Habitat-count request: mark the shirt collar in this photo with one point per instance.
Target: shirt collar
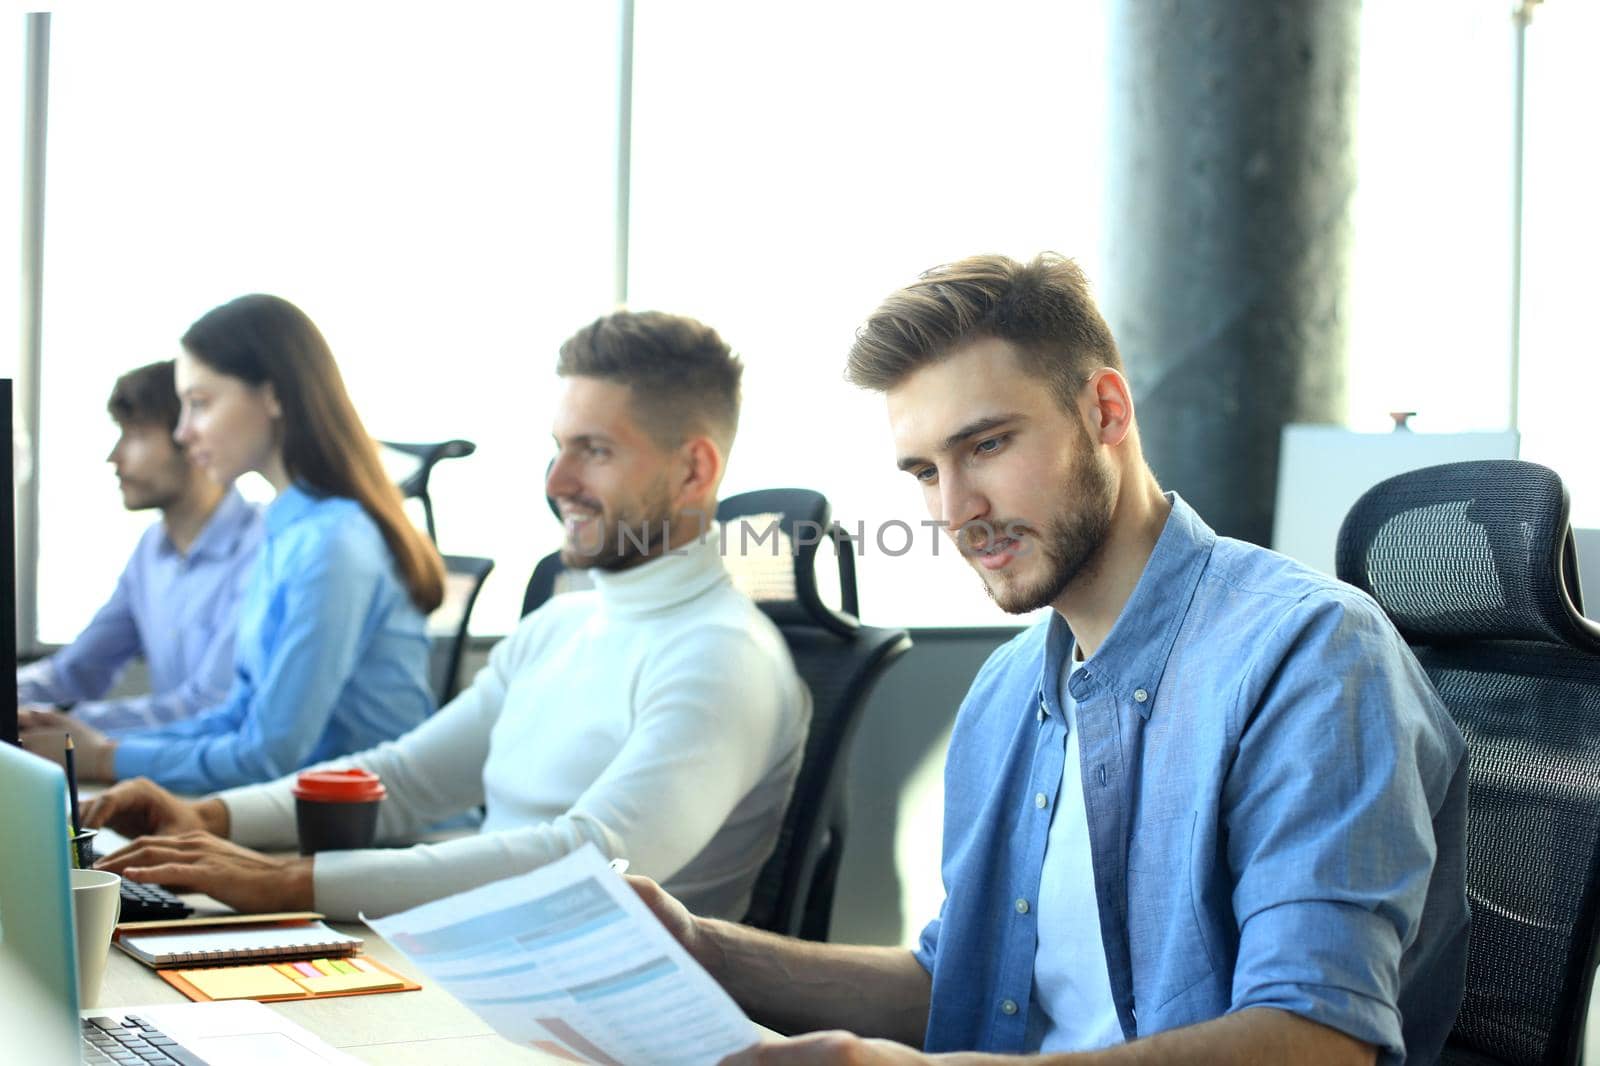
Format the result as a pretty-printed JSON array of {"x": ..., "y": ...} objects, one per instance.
[
  {"x": 290, "y": 506},
  {"x": 220, "y": 534},
  {"x": 675, "y": 577},
  {"x": 1132, "y": 659}
]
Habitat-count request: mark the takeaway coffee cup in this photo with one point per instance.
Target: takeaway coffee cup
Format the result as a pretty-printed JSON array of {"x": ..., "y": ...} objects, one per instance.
[
  {"x": 336, "y": 810},
  {"x": 96, "y": 904}
]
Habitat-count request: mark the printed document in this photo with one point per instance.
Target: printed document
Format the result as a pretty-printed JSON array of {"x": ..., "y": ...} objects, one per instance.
[{"x": 569, "y": 960}]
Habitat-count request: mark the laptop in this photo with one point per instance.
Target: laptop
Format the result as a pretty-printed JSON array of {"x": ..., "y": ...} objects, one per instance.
[{"x": 39, "y": 1017}]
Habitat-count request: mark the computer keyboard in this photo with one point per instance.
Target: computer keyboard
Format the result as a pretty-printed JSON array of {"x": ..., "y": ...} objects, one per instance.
[
  {"x": 131, "y": 1040},
  {"x": 150, "y": 903}
]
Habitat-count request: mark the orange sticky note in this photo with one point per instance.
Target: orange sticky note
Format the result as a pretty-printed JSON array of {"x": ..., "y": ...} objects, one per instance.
[{"x": 241, "y": 982}]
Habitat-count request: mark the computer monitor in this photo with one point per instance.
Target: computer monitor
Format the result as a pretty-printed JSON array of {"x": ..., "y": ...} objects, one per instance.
[{"x": 8, "y": 577}]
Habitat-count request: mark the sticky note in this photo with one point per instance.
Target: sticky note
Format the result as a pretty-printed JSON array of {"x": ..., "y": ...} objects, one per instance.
[
  {"x": 241, "y": 982},
  {"x": 285, "y": 969},
  {"x": 362, "y": 964},
  {"x": 343, "y": 967},
  {"x": 307, "y": 969},
  {"x": 350, "y": 982},
  {"x": 324, "y": 966}
]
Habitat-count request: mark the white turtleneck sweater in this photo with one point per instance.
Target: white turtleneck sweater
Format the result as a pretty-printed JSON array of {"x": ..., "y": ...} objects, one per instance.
[{"x": 657, "y": 715}]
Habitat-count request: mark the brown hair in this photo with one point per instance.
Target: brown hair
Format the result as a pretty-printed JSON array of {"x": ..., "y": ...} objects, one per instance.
[
  {"x": 146, "y": 396},
  {"x": 268, "y": 340},
  {"x": 1042, "y": 307},
  {"x": 683, "y": 377}
]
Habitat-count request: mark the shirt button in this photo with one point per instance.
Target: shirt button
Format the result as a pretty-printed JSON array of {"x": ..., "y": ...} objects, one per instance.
[
  {"x": 1022, "y": 906},
  {"x": 1008, "y": 1006},
  {"x": 1140, "y": 695},
  {"x": 1042, "y": 711},
  {"x": 1040, "y": 800}
]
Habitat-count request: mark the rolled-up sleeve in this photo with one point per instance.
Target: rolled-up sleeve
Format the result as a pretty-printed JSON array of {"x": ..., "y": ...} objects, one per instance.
[{"x": 1329, "y": 813}]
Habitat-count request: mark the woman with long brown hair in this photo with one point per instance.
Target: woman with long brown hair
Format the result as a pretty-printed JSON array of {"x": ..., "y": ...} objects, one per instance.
[{"x": 331, "y": 655}]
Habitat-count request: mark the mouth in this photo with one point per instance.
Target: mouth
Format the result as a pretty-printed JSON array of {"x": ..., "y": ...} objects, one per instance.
[
  {"x": 997, "y": 554},
  {"x": 576, "y": 518}
]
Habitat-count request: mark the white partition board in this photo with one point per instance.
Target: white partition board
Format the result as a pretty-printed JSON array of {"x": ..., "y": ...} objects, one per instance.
[{"x": 1323, "y": 470}]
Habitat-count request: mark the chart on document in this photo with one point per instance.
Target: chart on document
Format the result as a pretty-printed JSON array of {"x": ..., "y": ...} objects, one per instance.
[{"x": 568, "y": 960}]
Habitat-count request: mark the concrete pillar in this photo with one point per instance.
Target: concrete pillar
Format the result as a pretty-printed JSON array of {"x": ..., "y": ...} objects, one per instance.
[{"x": 1231, "y": 141}]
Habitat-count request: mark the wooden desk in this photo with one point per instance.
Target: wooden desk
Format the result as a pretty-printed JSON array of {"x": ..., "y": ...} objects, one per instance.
[{"x": 398, "y": 1028}]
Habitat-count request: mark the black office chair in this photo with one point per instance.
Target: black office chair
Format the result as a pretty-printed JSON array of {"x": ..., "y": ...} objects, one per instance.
[
  {"x": 1474, "y": 563},
  {"x": 464, "y": 575},
  {"x": 427, "y": 456},
  {"x": 771, "y": 538}
]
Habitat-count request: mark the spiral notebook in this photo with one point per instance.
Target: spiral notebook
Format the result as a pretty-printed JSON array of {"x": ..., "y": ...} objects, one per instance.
[
  {"x": 262, "y": 956},
  {"x": 234, "y": 938}
]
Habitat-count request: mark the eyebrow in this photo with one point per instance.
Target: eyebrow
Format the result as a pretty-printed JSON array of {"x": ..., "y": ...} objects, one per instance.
[
  {"x": 582, "y": 440},
  {"x": 965, "y": 433}
]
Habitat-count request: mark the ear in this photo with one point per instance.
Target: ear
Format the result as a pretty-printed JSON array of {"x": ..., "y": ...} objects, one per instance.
[
  {"x": 269, "y": 396},
  {"x": 1108, "y": 407},
  {"x": 701, "y": 472}
]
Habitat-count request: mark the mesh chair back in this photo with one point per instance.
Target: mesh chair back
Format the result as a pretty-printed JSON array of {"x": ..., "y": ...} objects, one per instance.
[
  {"x": 770, "y": 544},
  {"x": 1474, "y": 564}
]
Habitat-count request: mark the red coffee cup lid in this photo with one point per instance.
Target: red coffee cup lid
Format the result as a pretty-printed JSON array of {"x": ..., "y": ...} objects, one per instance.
[{"x": 339, "y": 786}]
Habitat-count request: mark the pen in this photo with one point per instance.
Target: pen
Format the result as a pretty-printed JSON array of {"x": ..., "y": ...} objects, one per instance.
[{"x": 72, "y": 792}]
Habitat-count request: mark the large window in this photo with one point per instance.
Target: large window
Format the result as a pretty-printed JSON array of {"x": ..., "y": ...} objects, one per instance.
[
  {"x": 13, "y": 46},
  {"x": 792, "y": 166},
  {"x": 1434, "y": 223},
  {"x": 436, "y": 187},
  {"x": 1560, "y": 393},
  {"x": 433, "y": 185}
]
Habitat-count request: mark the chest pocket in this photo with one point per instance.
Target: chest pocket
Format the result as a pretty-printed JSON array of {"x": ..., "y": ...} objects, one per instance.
[{"x": 1171, "y": 945}]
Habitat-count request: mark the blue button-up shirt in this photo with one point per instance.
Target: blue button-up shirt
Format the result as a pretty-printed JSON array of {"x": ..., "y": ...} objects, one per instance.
[
  {"x": 1276, "y": 802},
  {"x": 331, "y": 658},
  {"x": 175, "y": 610}
]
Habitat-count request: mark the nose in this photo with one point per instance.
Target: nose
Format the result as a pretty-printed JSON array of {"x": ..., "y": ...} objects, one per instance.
[
  {"x": 961, "y": 503},
  {"x": 559, "y": 479},
  {"x": 183, "y": 432}
]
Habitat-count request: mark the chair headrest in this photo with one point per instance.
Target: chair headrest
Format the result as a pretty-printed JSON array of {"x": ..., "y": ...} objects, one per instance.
[
  {"x": 1469, "y": 551},
  {"x": 770, "y": 539}
]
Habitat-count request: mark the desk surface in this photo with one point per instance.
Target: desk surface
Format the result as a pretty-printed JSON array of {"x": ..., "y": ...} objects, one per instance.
[{"x": 405, "y": 1028}]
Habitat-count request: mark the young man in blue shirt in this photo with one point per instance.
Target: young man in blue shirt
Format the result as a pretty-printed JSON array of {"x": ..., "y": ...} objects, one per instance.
[
  {"x": 176, "y": 604},
  {"x": 1209, "y": 811}
]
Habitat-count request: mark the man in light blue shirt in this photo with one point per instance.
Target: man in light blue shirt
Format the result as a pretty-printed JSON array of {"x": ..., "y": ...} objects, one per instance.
[
  {"x": 177, "y": 601},
  {"x": 1209, "y": 812}
]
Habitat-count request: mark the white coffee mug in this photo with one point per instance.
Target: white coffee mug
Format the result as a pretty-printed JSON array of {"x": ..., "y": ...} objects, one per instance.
[{"x": 96, "y": 904}]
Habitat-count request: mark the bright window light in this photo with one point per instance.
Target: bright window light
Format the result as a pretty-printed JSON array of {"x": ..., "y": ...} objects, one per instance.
[
  {"x": 435, "y": 187},
  {"x": 1561, "y": 230},
  {"x": 793, "y": 166}
]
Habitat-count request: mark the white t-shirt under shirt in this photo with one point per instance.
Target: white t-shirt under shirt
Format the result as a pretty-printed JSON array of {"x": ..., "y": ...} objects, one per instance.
[
  {"x": 1072, "y": 1008},
  {"x": 657, "y": 715}
]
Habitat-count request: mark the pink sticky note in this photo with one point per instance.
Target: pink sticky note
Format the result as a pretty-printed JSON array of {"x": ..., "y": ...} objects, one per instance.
[{"x": 307, "y": 969}]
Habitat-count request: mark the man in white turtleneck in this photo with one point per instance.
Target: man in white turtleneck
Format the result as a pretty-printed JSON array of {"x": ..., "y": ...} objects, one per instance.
[{"x": 657, "y": 715}]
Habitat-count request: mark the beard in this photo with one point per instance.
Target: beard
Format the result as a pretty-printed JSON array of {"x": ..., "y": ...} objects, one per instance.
[
  {"x": 1069, "y": 543},
  {"x": 624, "y": 540}
]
